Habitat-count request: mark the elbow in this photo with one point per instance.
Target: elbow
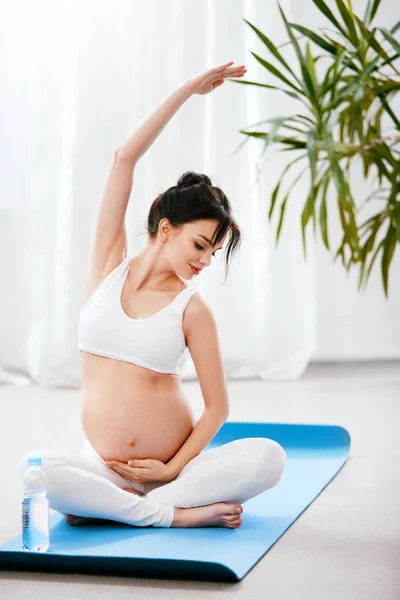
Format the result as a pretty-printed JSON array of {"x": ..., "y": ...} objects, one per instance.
[
  {"x": 221, "y": 413},
  {"x": 121, "y": 156}
]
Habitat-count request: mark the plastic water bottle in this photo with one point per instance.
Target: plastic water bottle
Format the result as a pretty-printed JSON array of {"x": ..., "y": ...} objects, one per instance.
[{"x": 35, "y": 508}]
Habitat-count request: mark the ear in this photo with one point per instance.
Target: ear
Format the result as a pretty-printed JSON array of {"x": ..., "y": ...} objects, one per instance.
[{"x": 164, "y": 227}]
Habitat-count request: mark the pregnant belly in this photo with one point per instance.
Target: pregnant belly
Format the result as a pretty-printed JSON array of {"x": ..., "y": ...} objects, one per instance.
[{"x": 150, "y": 425}]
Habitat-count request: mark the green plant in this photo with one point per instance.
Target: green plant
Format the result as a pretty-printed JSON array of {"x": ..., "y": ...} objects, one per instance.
[{"x": 340, "y": 122}]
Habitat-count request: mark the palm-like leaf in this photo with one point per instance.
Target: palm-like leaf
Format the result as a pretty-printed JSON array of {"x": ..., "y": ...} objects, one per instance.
[{"x": 340, "y": 123}]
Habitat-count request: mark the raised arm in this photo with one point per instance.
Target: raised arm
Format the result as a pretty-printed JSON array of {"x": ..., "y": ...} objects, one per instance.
[
  {"x": 110, "y": 240},
  {"x": 149, "y": 128}
]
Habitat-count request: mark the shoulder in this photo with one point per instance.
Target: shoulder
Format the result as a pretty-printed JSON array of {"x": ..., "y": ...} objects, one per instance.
[{"x": 197, "y": 315}]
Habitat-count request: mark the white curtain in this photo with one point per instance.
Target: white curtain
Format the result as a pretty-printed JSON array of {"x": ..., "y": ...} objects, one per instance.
[{"x": 76, "y": 77}]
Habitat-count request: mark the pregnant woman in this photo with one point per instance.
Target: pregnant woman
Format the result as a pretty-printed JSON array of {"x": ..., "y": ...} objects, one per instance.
[{"x": 143, "y": 462}]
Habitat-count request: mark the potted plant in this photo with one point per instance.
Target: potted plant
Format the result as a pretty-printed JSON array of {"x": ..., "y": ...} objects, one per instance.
[{"x": 343, "y": 103}]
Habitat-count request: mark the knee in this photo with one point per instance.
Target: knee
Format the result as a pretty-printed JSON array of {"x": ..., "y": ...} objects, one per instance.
[
  {"x": 271, "y": 462},
  {"x": 48, "y": 457}
]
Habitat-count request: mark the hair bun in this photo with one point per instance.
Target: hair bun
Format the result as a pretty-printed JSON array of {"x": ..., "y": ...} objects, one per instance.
[{"x": 190, "y": 178}]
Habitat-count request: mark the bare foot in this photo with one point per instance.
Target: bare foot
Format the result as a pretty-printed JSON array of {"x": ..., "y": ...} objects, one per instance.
[{"x": 220, "y": 514}]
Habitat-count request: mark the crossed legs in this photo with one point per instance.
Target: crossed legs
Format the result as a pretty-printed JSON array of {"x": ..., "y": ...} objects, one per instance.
[{"x": 82, "y": 484}]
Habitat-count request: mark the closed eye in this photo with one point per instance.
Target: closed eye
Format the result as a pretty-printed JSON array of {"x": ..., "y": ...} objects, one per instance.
[{"x": 201, "y": 247}]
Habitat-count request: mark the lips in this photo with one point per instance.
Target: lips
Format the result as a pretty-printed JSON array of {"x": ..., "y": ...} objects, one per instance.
[{"x": 194, "y": 269}]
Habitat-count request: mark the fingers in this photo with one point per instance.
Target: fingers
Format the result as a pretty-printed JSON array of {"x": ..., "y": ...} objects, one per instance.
[
  {"x": 226, "y": 65},
  {"x": 240, "y": 73},
  {"x": 121, "y": 467},
  {"x": 223, "y": 66},
  {"x": 127, "y": 473},
  {"x": 118, "y": 463},
  {"x": 233, "y": 72}
]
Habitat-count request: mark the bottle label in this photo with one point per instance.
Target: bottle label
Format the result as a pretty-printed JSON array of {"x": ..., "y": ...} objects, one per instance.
[{"x": 35, "y": 522}]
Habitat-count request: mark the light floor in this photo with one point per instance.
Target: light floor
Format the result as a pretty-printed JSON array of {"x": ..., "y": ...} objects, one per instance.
[{"x": 345, "y": 546}]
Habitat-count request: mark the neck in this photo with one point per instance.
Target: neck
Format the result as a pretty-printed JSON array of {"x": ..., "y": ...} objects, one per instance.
[{"x": 149, "y": 270}]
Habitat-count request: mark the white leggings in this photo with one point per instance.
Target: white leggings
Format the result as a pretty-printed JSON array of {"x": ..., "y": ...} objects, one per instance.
[{"x": 82, "y": 484}]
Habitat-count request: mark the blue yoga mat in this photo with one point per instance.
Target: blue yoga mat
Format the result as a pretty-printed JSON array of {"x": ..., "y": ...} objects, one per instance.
[{"x": 315, "y": 454}]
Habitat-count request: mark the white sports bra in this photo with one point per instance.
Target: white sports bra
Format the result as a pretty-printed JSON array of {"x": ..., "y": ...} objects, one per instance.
[{"x": 156, "y": 342}]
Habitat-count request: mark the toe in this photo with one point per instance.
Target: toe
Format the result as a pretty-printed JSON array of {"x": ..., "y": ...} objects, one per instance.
[{"x": 234, "y": 517}]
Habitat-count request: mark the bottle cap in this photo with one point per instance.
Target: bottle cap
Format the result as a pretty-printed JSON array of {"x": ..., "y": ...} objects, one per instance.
[{"x": 34, "y": 460}]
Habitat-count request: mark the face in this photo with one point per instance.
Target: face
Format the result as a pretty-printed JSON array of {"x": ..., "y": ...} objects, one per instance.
[{"x": 188, "y": 246}]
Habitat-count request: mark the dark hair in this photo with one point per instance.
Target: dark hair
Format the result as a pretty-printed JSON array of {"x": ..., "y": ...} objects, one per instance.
[{"x": 194, "y": 197}]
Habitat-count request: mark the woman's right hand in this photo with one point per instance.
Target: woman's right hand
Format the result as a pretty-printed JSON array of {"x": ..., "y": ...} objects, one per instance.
[
  {"x": 206, "y": 82},
  {"x": 143, "y": 470}
]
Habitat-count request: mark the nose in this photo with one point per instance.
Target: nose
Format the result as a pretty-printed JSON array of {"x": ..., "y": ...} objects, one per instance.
[{"x": 205, "y": 260}]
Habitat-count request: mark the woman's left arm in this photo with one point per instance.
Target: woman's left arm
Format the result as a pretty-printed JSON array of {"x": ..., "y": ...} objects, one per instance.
[
  {"x": 200, "y": 330},
  {"x": 208, "y": 425},
  {"x": 149, "y": 470}
]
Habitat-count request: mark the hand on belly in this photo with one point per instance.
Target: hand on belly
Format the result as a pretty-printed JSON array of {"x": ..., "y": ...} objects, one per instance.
[{"x": 143, "y": 471}]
